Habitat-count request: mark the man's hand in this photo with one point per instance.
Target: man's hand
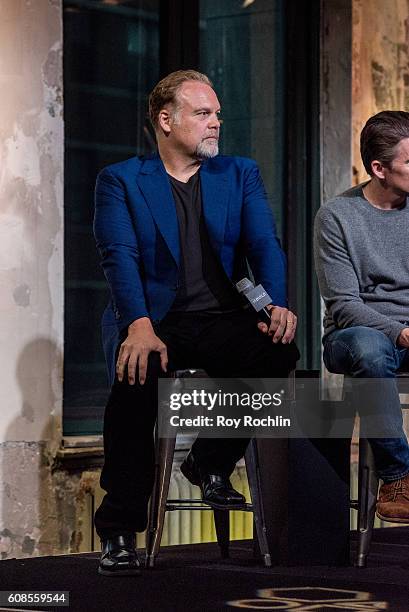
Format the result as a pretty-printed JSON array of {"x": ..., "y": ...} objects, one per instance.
[
  {"x": 135, "y": 349},
  {"x": 403, "y": 338},
  {"x": 283, "y": 325}
]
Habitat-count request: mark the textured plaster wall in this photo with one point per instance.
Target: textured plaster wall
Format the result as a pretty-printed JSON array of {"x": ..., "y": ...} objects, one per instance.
[
  {"x": 43, "y": 510},
  {"x": 335, "y": 97},
  {"x": 35, "y": 502},
  {"x": 31, "y": 219},
  {"x": 380, "y": 51}
]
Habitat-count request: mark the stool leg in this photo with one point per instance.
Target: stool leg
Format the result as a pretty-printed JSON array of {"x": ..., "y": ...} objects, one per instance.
[
  {"x": 367, "y": 494},
  {"x": 165, "y": 448},
  {"x": 254, "y": 480},
  {"x": 222, "y": 524}
]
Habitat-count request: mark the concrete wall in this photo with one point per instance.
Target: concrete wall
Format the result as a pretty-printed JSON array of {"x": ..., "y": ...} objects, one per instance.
[
  {"x": 380, "y": 81},
  {"x": 31, "y": 271},
  {"x": 335, "y": 97},
  {"x": 31, "y": 219}
]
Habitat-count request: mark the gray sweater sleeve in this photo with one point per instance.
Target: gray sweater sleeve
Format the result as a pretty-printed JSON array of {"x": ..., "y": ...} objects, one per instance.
[{"x": 338, "y": 280}]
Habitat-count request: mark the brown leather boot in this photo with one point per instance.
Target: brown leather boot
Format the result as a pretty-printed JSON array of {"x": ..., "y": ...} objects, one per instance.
[{"x": 393, "y": 501}]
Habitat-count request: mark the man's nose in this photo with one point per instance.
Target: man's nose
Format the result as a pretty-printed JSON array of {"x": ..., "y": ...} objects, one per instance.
[{"x": 214, "y": 121}]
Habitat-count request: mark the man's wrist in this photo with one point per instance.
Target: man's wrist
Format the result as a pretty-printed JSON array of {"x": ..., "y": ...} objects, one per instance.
[{"x": 141, "y": 323}]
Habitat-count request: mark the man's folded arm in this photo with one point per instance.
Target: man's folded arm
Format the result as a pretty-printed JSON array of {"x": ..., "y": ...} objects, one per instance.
[
  {"x": 262, "y": 248},
  {"x": 117, "y": 244},
  {"x": 338, "y": 281}
]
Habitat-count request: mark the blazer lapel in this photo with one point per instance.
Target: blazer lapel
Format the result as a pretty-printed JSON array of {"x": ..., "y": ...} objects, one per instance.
[
  {"x": 215, "y": 200},
  {"x": 154, "y": 184}
]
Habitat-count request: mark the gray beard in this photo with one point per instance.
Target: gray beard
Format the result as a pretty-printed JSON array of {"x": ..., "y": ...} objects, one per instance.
[{"x": 205, "y": 150}]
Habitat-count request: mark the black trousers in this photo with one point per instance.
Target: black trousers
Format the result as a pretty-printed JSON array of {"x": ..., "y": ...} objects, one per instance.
[{"x": 225, "y": 345}]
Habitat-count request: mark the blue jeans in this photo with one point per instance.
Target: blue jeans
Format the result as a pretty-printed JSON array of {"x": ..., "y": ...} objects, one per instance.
[{"x": 364, "y": 352}]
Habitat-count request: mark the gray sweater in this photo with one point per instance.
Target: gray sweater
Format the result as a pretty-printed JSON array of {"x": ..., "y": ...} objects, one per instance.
[{"x": 362, "y": 263}]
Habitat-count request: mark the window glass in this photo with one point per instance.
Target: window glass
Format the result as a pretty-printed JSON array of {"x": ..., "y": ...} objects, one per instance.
[
  {"x": 111, "y": 62},
  {"x": 241, "y": 50}
]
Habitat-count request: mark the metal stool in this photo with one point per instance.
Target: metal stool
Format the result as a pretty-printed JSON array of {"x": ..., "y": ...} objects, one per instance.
[
  {"x": 368, "y": 484},
  {"x": 164, "y": 450}
]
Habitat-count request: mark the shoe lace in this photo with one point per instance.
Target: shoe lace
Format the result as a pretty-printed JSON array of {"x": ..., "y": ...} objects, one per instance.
[{"x": 400, "y": 488}]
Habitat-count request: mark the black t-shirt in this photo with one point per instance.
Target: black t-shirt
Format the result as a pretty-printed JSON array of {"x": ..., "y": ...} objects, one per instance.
[{"x": 203, "y": 283}]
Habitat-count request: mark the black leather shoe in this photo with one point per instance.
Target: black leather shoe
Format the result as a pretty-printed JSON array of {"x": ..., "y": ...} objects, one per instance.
[
  {"x": 190, "y": 471},
  {"x": 119, "y": 557},
  {"x": 217, "y": 490}
]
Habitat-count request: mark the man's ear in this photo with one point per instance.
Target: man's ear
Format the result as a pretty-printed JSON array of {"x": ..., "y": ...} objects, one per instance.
[
  {"x": 164, "y": 120},
  {"x": 378, "y": 169}
]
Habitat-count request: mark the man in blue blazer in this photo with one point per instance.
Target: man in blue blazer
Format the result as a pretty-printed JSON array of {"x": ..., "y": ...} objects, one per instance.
[{"x": 174, "y": 230}]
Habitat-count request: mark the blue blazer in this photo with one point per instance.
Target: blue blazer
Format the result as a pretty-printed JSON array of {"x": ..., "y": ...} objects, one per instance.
[{"x": 137, "y": 234}]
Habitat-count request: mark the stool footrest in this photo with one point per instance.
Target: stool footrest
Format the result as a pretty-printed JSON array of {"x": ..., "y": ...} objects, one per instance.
[
  {"x": 198, "y": 504},
  {"x": 171, "y": 507},
  {"x": 185, "y": 501}
]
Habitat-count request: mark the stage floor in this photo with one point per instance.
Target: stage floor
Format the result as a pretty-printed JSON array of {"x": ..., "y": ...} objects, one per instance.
[{"x": 194, "y": 578}]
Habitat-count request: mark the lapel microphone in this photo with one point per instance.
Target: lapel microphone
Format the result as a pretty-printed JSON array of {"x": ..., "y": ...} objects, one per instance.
[{"x": 256, "y": 296}]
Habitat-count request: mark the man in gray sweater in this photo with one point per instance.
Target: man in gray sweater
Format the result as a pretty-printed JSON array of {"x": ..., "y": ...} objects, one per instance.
[{"x": 362, "y": 262}]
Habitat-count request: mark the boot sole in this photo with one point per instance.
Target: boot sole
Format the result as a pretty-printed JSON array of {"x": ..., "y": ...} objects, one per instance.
[{"x": 388, "y": 519}]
